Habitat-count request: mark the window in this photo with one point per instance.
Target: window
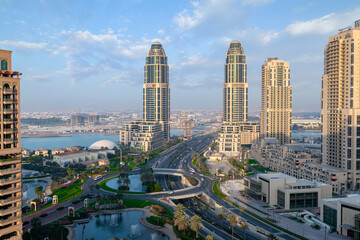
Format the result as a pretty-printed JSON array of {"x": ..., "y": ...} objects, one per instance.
[
  {"x": 358, "y": 131},
  {"x": 352, "y": 59},
  {"x": 349, "y": 131},
  {"x": 349, "y": 164},
  {"x": 349, "y": 153},
  {"x": 357, "y": 165},
  {"x": 349, "y": 119},
  {"x": 351, "y": 92},
  {"x": 352, "y": 47},
  {"x": 358, "y": 154},
  {"x": 349, "y": 142},
  {"x": 352, "y": 70},
  {"x": 358, "y": 142},
  {"x": 351, "y": 81},
  {"x": 4, "y": 65}
]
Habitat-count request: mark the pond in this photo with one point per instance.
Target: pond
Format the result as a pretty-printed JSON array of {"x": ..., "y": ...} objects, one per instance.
[
  {"x": 135, "y": 183},
  {"x": 119, "y": 225},
  {"x": 29, "y": 193}
]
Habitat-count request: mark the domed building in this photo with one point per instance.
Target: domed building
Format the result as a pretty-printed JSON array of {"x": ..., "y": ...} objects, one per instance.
[{"x": 103, "y": 144}]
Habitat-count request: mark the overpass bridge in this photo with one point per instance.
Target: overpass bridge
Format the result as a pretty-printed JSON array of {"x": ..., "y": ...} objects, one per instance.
[{"x": 169, "y": 171}]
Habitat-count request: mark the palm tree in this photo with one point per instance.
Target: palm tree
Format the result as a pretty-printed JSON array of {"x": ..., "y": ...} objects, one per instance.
[
  {"x": 178, "y": 214},
  {"x": 221, "y": 217},
  {"x": 244, "y": 226},
  {"x": 179, "y": 208},
  {"x": 232, "y": 219},
  {"x": 127, "y": 181},
  {"x": 209, "y": 237},
  {"x": 172, "y": 184},
  {"x": 196, "y": 224},
  {"x": 120, "y": 182},
  {"x": 181, "y": 224},
  {"x": 271, "y": 237},
  {"x": 39, "y": 191}
]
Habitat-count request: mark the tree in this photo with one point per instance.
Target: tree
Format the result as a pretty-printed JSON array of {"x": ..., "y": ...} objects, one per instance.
[
  {"x": 221, "y": 217},
  {"x": 127, "y": 181},
  {"x": 195, "y": 156},
  {"x": 180, "y": 208},
  {"x": 181, "y": 224},
  {"x": 244, "y": 226},
  {"x": 232, "y": 220},
  {"x": 120, "y": 182},
  {"x": 172, "y": 184},
  {"x": 219, "y": 171},
  {"x": 157, "y": 187},
  {"x": 39, "y": 191},
  {"x": 209, "y": 237},
  {"x": 196, "y": 224},
  {"x": 35, "y": 228},
  {"x": 271, "y": 237}
]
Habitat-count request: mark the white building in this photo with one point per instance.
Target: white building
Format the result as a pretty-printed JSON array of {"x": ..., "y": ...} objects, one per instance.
[
  {"x": 286, "y": 191},
  {"x": 82, "y": 156},
  {"x": 342, "y": 214}
]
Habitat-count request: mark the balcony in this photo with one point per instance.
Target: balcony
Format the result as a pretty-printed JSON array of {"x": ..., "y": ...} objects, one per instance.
[
  {"x": 9, "y": 210},
  {"x": 8, "y": 91},
  {"x": 9, "y": 101},
  {"x": 10, "y": 180},
  {"x": 10, "y": 200},
  {"x": 6, "y": 110},
  {"x": 10, "y": 170},
  {"x": 10, "y": 190},
  {"x": 8, "y": 140},
  {"x": 9, "y": 220},
  {"x": 10, "y": 160}
]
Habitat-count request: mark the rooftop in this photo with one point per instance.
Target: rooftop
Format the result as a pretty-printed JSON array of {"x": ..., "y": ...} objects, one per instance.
[
  {"x": 297, "y": 148},
  {"x": 275, "y": 176},
  {"x": 271, "y": 140},
  {"x": 235, "y": 48},
  {"x": 325, "y": 167}
]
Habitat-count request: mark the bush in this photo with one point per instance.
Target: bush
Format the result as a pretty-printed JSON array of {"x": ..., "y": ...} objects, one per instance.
[
  {"x": 60, "y": 208},
  {"x": 158, "y": 221},
  {"x": 43, "y": 215},
  {"x": 26, "y": 223}
]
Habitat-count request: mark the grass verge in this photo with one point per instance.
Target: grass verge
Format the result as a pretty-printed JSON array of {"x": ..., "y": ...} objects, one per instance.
[{"x": 217, "y": 190}]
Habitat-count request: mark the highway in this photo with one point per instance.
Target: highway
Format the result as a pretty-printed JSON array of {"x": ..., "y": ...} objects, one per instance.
[{"x": 184, "y": 162}]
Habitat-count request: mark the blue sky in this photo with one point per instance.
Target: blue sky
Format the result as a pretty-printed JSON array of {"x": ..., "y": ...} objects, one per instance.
[{"x": 90, "y": 54}]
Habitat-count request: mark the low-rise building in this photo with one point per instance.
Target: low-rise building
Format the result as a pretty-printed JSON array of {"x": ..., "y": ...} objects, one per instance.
[
  {"x": 286, "y": 191},
  {"x": 298, "y": 162},
  {"x": 143, "y": 135},
  {"x": 57, "y": 151},
  {"x": 25, "y": 152},
  {"x": 72, "y": 149},
  {"x": 82, "y": 156},
  {"x": 41, "y": 152},
  {"x": 236, "y": 135},
  {"x": 104, "y": 162},
  {"x": 343, "y": 214}
]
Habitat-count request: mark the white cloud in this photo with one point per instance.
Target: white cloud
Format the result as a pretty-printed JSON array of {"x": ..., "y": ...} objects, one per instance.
[
  {"x": 91, "y": 54},
  {"x": 258, "y": 35},
  {"x": 256, "y": 2},
  {"x": 324, "y": 25},
  {"x": 201, "y": 11},
  {"x": 22, "y": 45},
  {"x": 305, "y": 58}
]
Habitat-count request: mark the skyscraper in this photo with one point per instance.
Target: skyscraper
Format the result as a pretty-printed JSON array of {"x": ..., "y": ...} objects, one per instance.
[
  {"x": 276, "y": 95},
  {"x": 340, "y": 104},
  {"x": 10, "y": 151},
  {"x": 235, "y": 86},
  {"x": 236, "y": 132},
  {"x": 156, "y": 89}
]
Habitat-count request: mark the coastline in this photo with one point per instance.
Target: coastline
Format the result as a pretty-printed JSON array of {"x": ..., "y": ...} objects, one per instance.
[{"x": 167, "y": 229}]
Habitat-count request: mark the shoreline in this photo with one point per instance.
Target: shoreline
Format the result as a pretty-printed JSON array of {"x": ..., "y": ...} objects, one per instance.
[{"x": 142, "y": 220}]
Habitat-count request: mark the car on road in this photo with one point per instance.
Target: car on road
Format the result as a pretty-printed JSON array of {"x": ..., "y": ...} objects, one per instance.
[{"x": 202, "y": 179}]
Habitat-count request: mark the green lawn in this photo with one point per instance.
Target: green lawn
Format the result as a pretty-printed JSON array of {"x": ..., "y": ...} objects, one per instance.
[
  {"x": 217, "y": 190},
  {"x": 194, "y": 162},
  {"x": 65, "y": 194},
  {"x": 262, "y": 169},
  {"x": 251, "y": 161}
]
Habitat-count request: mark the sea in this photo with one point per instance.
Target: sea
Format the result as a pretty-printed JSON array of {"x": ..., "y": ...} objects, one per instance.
[{"x": 85, "y": 140}]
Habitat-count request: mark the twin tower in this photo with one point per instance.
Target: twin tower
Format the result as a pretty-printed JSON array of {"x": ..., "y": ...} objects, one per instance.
[{"x": 236, "y": 132}]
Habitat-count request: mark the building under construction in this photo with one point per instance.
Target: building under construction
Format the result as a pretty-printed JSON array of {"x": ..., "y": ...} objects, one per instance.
[{"x": 185, "y": 126}]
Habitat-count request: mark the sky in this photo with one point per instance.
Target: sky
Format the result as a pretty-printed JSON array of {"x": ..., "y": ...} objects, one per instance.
[{"x": 90, "y": 54}]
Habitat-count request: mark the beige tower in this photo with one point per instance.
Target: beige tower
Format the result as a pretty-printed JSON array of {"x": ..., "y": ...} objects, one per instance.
[
  {"x": 236, "y": 132},
  {"x": 340, "y": 104},
  {"x": 156, "y": 102},
  {"x": 275, "y": 115},
  {"x": 10, "y": 151}
]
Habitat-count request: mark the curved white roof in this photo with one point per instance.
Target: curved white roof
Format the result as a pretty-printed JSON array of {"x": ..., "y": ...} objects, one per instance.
[{"x": 103, "y": 144}]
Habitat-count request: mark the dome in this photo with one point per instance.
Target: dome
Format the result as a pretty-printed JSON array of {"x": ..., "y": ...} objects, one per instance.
[
  {"x": 235, "y": 48},
  {"x": 103, "y": 144}
]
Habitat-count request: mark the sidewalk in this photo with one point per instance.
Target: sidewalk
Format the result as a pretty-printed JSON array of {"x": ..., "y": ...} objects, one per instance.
[{"x": 284, "y": 222}]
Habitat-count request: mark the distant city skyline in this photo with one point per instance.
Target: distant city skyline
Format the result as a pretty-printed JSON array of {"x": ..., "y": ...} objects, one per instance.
[{"x": 83, "y": 58}]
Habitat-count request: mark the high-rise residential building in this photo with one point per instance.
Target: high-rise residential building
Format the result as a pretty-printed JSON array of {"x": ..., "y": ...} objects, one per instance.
[
  {"x": 151, "y": 133},
  {"x": 156, "y": 88},
  {"x": 236, "y": 131},
  {"x": 276, "y": 95},
  {"x": 340, "y": 104},
  {"x": 10, "y": 151}
]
